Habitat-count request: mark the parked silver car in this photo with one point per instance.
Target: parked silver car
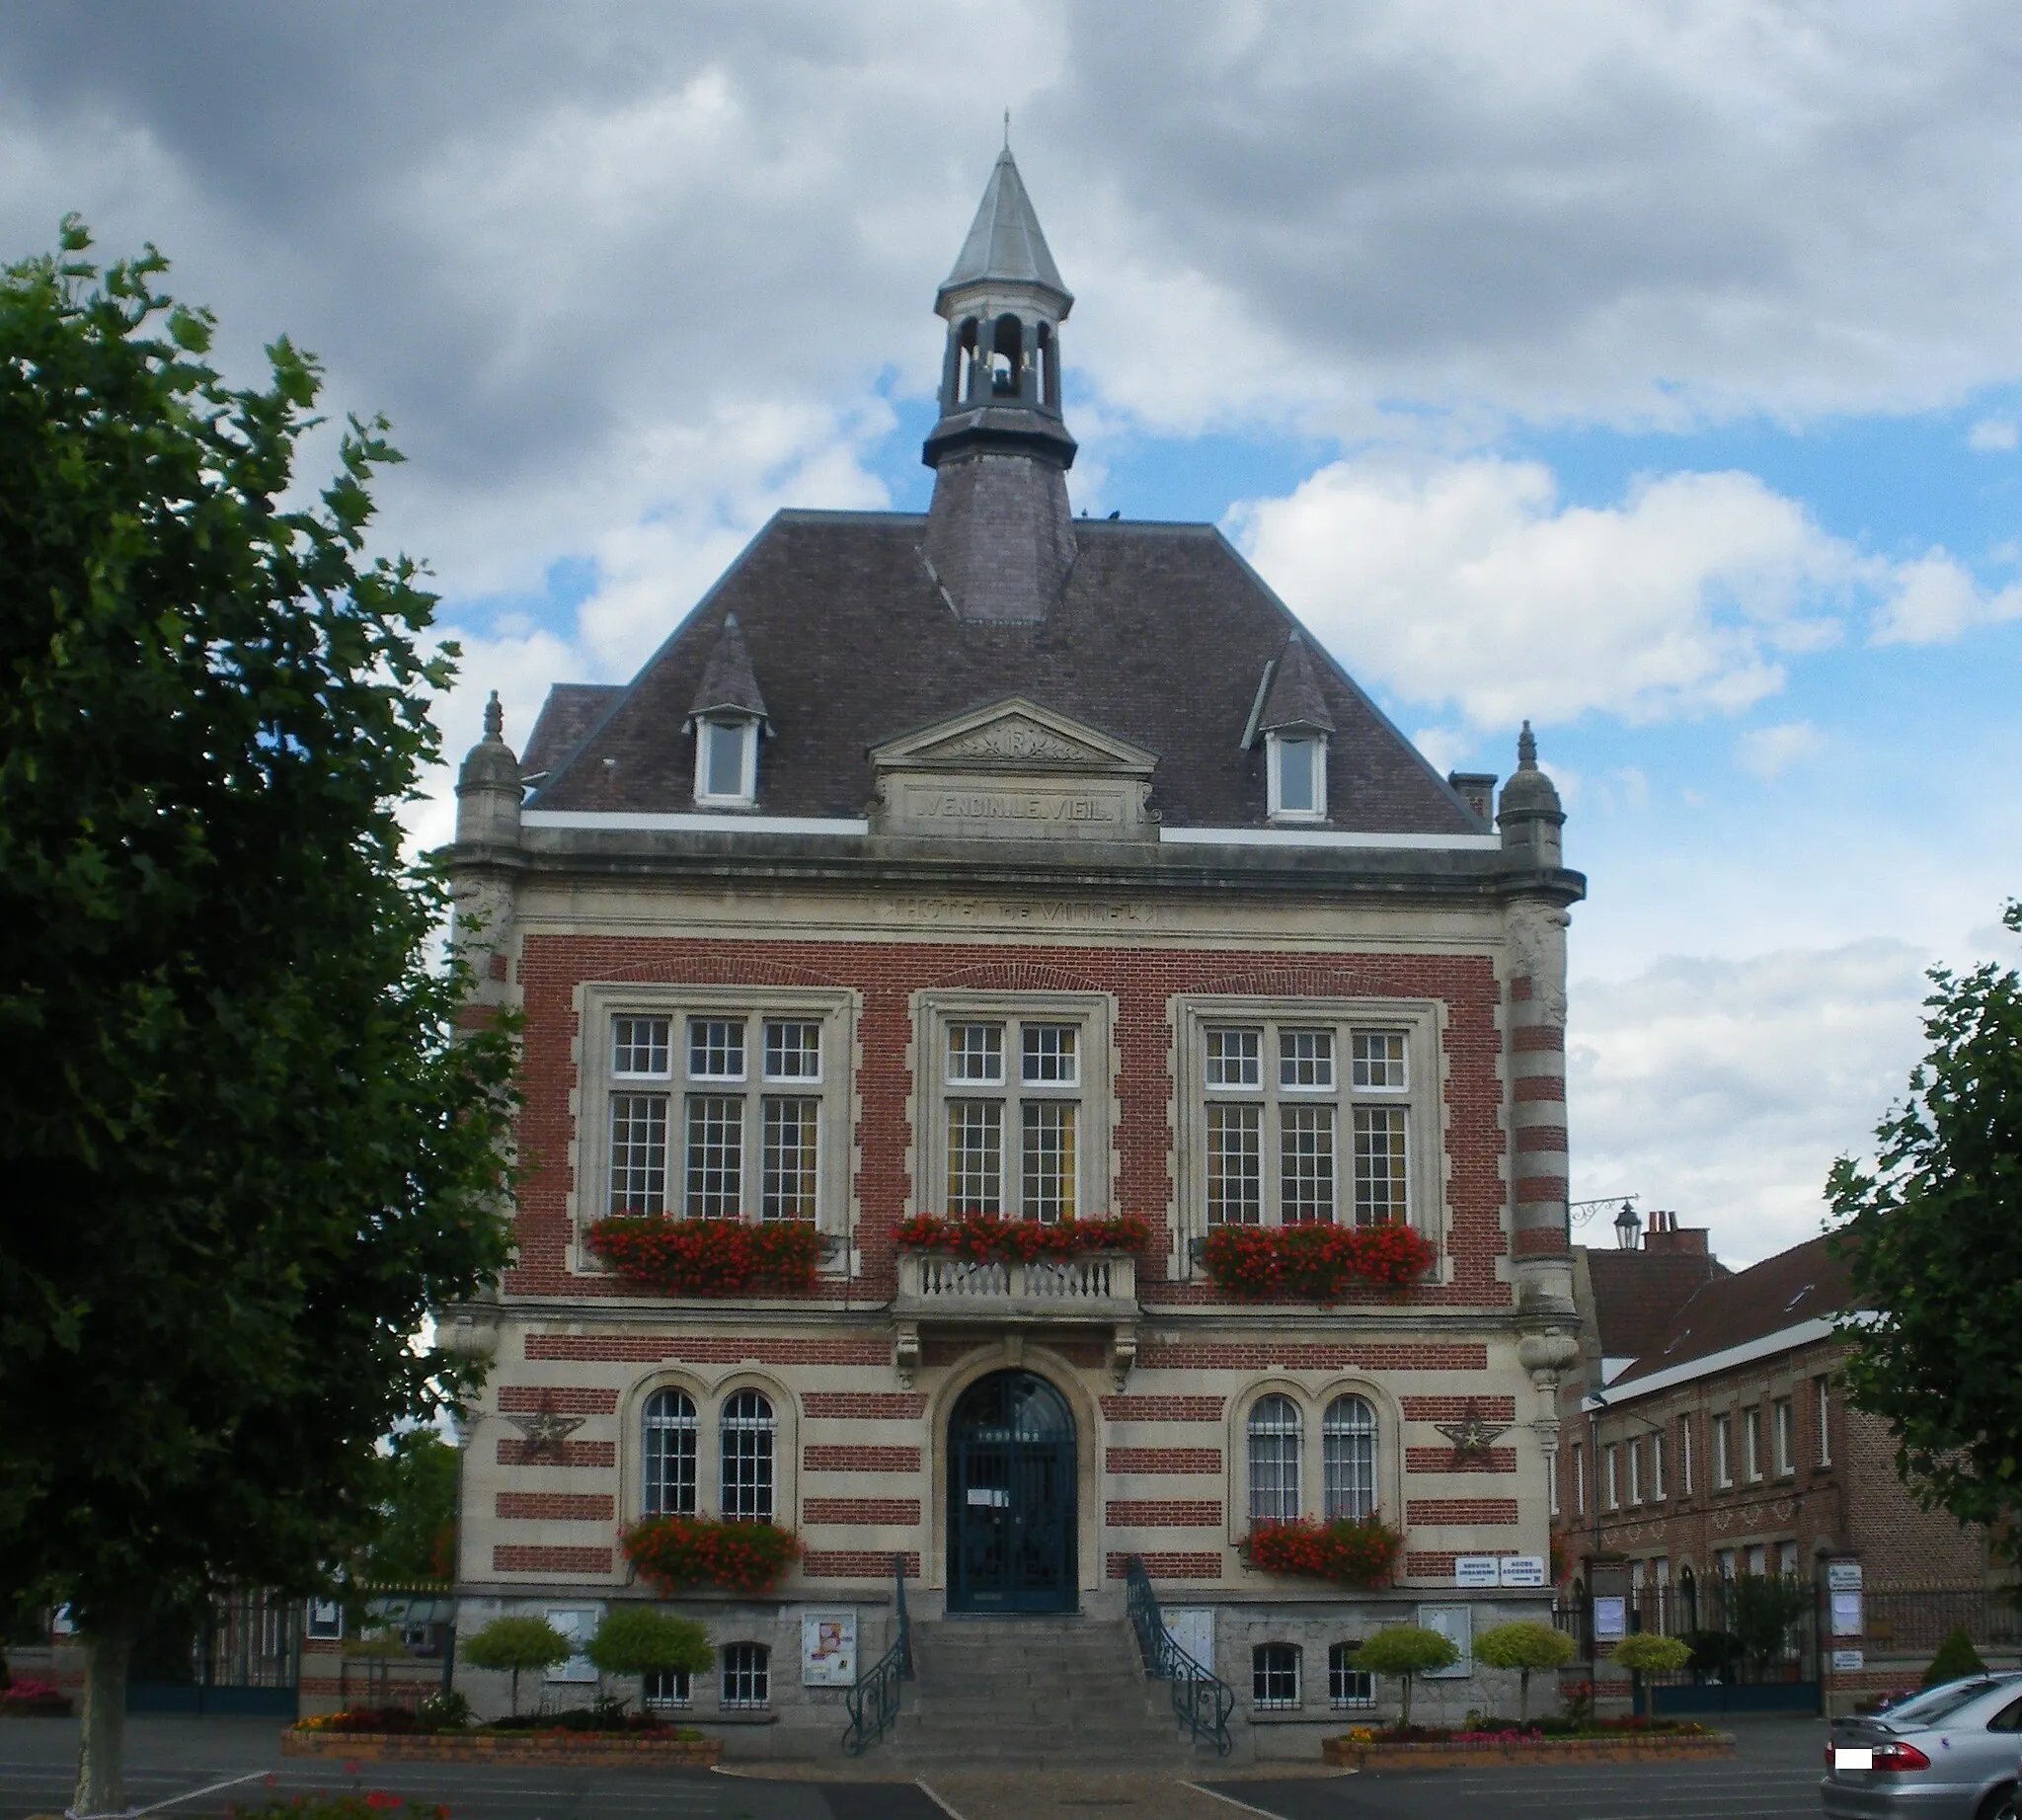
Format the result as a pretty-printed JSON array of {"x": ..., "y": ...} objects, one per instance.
[{"x": 1952, "y": 1754}]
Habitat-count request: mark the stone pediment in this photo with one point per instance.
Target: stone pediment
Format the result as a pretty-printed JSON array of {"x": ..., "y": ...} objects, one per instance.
[
  {"x": 1014, "y": 735},
  {"x": 1013, "y": 770}
]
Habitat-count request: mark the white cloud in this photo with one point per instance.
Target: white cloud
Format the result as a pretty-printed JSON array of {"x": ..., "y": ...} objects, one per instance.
[
  {"x": 1932, "y": 600},
  {"x": 1724, "y": 1088},
  {"x": 1472, "y": 583},
  {"x": 1768, "y": 752},
  {"x": 1994, "y": 436}
]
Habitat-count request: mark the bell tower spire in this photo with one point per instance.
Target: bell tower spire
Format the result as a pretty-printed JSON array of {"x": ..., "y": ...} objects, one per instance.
[{"x": 1000, "y": 537}]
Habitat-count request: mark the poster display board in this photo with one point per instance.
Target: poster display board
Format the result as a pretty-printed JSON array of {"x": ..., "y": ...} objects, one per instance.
[{"x": 828, "y": 1649}]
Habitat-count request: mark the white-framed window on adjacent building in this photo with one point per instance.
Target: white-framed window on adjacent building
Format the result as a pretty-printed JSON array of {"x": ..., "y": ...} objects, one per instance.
[
  {"x": 1723, "y": 1452},
  {"x": 1576, "y": 1461},
  {"x": 714, "y": 1105},
  {"x": 1822, "y": 1403},
  {"x": 725, "y": 762},
  {"x": 1308, "y": 1114},
  {"x": 1635, "y": 1451},
  {"x": 1752, "y": 1442},
  {"x": 1018, "y": 1106},
  {"x": 1297, "y": 762},
  {"x": 1685, "y": 1454},
  {"x": 1658, "y": 1492},
  {"x": 1610, "y": 1475},
  {"x": 1783, "y": 1436}
]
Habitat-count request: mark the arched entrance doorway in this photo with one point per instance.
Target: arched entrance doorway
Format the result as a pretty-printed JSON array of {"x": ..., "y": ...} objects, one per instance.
[{"x": 1011, "y": 1497}]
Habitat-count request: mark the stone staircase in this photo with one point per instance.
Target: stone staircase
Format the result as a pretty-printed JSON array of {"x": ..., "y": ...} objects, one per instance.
[{"x": 1036, "y": 1692}]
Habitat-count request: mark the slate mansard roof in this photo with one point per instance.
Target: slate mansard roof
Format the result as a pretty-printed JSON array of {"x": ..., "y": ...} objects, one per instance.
[{"x": 1162, "y": 637}]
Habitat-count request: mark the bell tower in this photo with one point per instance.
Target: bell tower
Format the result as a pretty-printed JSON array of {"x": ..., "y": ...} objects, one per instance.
[{"x": 1000, "y": 537}]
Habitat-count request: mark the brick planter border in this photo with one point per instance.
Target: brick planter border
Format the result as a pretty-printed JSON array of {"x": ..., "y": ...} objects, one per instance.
[
  {"x": 499, "y": 1747},
  {"x": 1345, "y": 1753}
]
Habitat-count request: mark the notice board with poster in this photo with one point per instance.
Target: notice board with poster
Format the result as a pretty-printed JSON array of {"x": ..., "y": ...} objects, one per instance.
[{"x": 828, "y": 1649}]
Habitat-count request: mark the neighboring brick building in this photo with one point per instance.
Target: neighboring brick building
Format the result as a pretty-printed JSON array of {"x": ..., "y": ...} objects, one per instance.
[
  {"x": 998, "y": 861},
  {"x": 1705, "y": 1437}
]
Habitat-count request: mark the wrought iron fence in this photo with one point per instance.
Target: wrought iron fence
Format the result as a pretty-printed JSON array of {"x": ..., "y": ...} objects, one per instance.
[
  {"x": 1913, "y": 1620},
  {"x": 873, "y": 1703},
  {"x": 1752, "y": 1629},
  {"x": 1202, "y": 1701}
]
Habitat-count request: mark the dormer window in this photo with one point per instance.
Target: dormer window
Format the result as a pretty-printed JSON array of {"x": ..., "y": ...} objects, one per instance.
[
  {"x": 1299, "y": 776},
  {"x": 725, "y": 762}
]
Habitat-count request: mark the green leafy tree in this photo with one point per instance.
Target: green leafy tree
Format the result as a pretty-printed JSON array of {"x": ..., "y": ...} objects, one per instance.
[
  {"x": 1928, "y": 1240},
  {"x": 1956, "y": 1659},
  {"x": 417, "y": 1537},
  {"x": 1525, "y": 1646},
  {"x": 635, "y": 1639},
  {"x": 1405, "y": 1650},
  {"x": 1761, "y": 1610},
  {"x": 515, "y": 1643},
  {"x": 245, "y": 1146},
  {"x": 1647, "y": 1652}
]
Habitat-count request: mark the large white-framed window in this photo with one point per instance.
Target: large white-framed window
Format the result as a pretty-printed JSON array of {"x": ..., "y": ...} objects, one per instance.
[
  {"x": 1611, "y": 1477},
  {"x": 1657, "y": 1490},
  {"x": 1348, "y": 1457},
  {"x": 1685, "y": 1454},
  {"x": 667, "y": 1455},
  {"x": 1635, "y": 1451},
  {"x": 1015, "y": 1100},
  {"x": 712, "y": 1103},
  {"x": 1578, "y": 1462},
  {"x": 725, "y": 762},
  {"x": 1296, "y": 764},
  {"x": 1783, "y": 1436},
  {"x": 1752, "y": 1442},
  {"x": 1822, "y": 1402},
  {"x": 1309, "y": 1112},
  {"x": 746, "y": 1435},
  {"x": 1275, "y": 1434},
  {"x": 1723, "y": 1452}
]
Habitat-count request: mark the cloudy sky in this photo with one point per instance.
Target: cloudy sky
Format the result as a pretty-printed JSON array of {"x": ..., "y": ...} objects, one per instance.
[{"x": 1650, "y": 370}]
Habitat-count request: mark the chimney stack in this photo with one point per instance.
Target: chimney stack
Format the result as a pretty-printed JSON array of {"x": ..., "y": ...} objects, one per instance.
[{"x": 1665, "y": 1235}]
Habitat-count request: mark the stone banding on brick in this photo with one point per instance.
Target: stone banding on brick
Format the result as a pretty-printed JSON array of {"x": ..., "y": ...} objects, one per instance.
[
  {"x": 562, "y": 1399},
  {"x": 902, "y": 1512},
  {"x": 578, "y": 1454},
  {"x": 1460, "y": 1510},
  {"x": 860, "y": 1458},
  {"x": 1163, "y": 1459},
  {"x": 555, "y": 1506},
  {"x": 1163, "y": 1513},
  {"x": 513, "y": 1557}
]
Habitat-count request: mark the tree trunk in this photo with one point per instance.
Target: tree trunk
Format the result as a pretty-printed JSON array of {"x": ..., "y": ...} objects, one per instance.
[
  {"x": 102, "y": 1735},
  {"x": 1523, "y": 1697},
  {"x": 1406, "y": 1720}
]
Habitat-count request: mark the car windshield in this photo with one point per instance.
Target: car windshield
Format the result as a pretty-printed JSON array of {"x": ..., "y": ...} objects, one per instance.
[{"x": 1940, "y": 1703}]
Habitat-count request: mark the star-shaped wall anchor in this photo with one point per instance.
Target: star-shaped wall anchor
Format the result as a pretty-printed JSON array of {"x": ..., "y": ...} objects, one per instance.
[
  {"x": 545, "y": 1429},
  {"x": 1472, "y": 1435}
]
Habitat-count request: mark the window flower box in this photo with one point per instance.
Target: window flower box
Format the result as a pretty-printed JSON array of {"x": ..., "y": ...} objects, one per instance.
[
  {"x": 709, "y": 1257},
  {"x": 1349, "y": 1552},
  {"x": 675, "y": 1553},
  {"x": 1314, "y": 1263},
  {"x": 1023, "y": 1241}
]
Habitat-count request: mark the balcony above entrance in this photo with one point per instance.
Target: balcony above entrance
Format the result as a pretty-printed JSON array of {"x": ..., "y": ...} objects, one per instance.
[{"x": 1098, "y": 1290}]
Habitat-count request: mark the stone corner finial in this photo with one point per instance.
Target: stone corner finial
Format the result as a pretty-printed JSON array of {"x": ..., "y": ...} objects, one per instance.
[
  {"x": 1526, "y": 750},
  {"x": 495, "y": 717}
]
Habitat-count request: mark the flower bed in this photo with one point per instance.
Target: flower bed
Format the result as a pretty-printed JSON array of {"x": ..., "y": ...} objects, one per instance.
[
  {"x": 377, "y": 1804},
  {"x": 708, "y": 1257},
  {"x": 35, "y": 1699},
  {"x": 1606, "y": 1741},
  {"x": 1023, "y": 1241},
  {"x": 1314, "y": 1263},
  {"x": 677, "y": 1553},
  {"x": 661, "y": 1744},
  {"x": 1351, "y": 1552}
]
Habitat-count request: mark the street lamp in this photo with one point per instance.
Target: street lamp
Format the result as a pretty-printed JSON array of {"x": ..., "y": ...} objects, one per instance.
[{"x": 1628, "y": 1227}]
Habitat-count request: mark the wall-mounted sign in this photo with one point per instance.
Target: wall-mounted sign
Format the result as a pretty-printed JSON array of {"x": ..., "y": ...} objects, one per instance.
[
  {"x": 828, "y": 1649},
  {"x": 1474, "y": 1569},
  {"x": 1843, "y": 1576},
  {"x": 325, "y": 1620},
  {"x": 1522, "y": 1570},
  {"x": 991, "y": 1497},
  {"x": 1844, "y": 1659},
  {"x": 1610, "y": 1616},
  {"x": 579, "y": 1624},
  {"x": 1848, "y": 1618},
  {"x": 1455, "y": 1622}
]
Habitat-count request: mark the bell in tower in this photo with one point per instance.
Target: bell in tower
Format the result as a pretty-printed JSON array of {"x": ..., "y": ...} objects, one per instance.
[{"x": 1000, "y": 537}]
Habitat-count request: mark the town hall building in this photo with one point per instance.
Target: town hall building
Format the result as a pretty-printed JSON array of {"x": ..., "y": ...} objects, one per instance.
[{"x": 998, "y": 863}]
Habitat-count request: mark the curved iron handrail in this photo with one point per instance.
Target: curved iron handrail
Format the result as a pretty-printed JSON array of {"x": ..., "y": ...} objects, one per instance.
[
  {"x": 1202, "y": 1700},
  {"x": 873, "y": 1703}
]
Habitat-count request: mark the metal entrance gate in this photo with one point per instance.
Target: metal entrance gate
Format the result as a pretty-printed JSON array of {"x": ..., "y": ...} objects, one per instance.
[
  {"x": 1011, "y": 1497},
  {"x": 243, "y": 1656}
]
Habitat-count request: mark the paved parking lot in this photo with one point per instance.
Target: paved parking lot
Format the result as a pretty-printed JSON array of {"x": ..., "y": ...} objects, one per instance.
[{"x": 182, "y": 1768}]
